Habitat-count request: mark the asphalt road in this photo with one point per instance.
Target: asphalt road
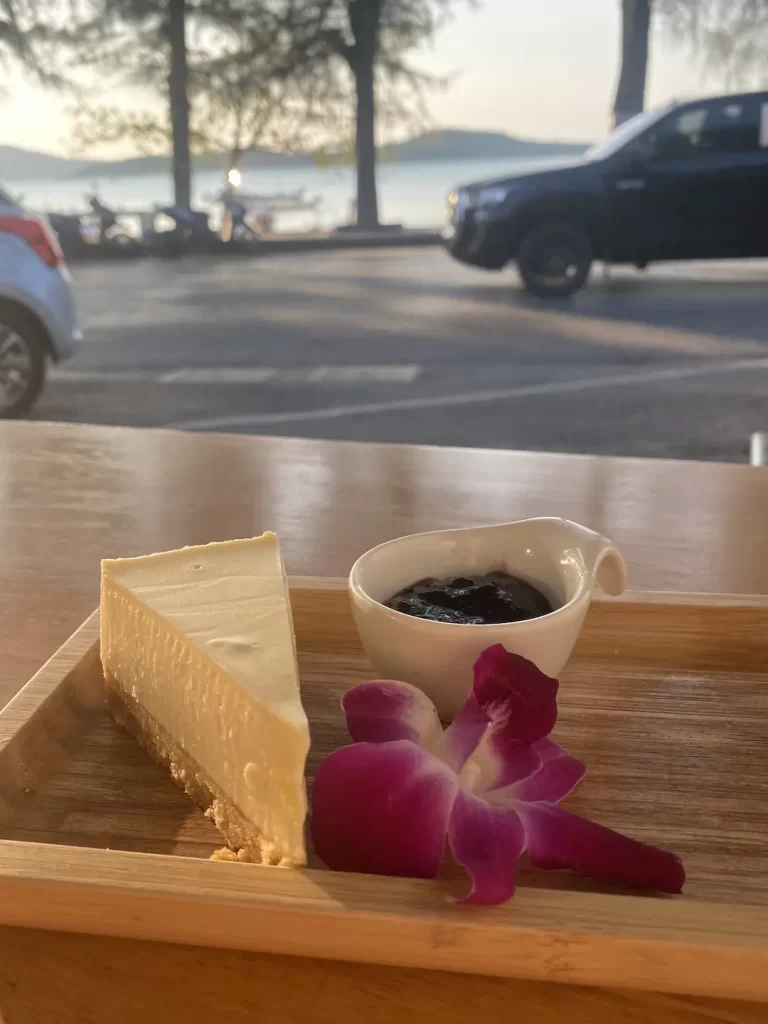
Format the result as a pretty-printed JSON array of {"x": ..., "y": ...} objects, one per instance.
[{"x": 405, "y": 345}]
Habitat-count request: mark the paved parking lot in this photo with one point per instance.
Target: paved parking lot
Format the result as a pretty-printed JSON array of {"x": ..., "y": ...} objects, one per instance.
[{"x": 405, "y": 345}]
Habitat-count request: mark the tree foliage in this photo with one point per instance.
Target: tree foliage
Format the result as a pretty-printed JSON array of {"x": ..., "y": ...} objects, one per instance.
[
  {"x": 299, "y": 74},
  {"x": 30, "y": 31},
  {"x": 243, "y": 77},
  {"x": 728, "y": 37},
  {"x": 330, "y": 36},
  {"x": 249, "y": 86},
  {"x": 365, "y": 45}
]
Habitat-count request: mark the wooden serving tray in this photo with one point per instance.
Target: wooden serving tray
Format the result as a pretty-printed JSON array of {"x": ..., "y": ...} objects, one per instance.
[{"x": 666, "y": 698}]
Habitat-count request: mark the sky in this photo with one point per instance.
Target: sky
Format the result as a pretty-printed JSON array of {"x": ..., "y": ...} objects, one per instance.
[{"x": 544, "y": 69}]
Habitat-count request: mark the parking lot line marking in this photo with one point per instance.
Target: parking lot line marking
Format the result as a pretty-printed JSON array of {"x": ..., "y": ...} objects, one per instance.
[
  {"x": 473, "y": 397},
  {"x": 396, "y": 373},
  {"x": 100, "y": 376},
  {"x": 219, "y": 375},
  {"x": 393, "y": 374}
]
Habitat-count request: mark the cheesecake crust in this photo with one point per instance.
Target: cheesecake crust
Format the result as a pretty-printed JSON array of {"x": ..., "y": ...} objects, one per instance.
[{"x": 241, "y": 835}]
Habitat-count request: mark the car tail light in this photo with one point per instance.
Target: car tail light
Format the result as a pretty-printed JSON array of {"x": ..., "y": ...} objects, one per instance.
[{"x": 37, "y": 235}]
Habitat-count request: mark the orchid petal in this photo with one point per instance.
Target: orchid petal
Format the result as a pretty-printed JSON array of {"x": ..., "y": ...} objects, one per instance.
[
  {"x": 383, "y": 808},
  {"x": 502, "y": 761},
  {"x": 385, "y": 710},
  {"x": 463, "y": 735},
  {"x": 518, "y": 698},
  {"x": 547, "y": 749},
  {"x": 557, "y": 839},
  {"x": 550, "y": 784},
  {"x": 487, "y": 841}
]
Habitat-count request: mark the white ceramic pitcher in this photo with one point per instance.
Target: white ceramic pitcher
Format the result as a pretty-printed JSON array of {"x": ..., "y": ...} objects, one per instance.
[{"x": 561, "y": 558}]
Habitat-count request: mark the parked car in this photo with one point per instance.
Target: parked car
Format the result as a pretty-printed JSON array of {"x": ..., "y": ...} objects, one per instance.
[
  {"x": 689, "y": 181},
  {"x": 37, "y": 309}
]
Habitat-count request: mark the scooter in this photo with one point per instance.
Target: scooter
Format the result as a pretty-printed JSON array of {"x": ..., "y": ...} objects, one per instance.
[{"x": 191, "y": 233}]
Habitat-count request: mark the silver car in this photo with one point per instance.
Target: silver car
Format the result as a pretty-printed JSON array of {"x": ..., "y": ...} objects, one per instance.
[{"x": 37, "y": 309}]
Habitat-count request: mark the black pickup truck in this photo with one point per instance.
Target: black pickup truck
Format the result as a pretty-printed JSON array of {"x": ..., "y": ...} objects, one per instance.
[{"x": 689, "y": 181}]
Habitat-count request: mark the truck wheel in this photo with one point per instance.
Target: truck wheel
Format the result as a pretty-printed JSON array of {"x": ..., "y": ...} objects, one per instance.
[
  {"x": 554, "y": 259},
  {"x": 22, "y": 362}
]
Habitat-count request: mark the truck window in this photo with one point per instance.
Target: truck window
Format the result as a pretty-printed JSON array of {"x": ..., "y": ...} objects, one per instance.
[{"x": 720, "y": 127}]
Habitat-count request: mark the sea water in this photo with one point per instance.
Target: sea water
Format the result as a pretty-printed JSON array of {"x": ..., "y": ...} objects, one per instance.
[{"x": 410, "y": 193}]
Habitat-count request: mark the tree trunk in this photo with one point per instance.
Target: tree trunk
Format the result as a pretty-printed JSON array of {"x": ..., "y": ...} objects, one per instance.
[
  {"x": 635, "y": 29},
  {"x": 364, "y": 17},
  {"x": 179, "y": 103},
  {"x": 365, "y": 150}
]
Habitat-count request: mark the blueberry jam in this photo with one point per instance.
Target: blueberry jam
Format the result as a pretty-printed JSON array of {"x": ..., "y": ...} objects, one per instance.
[{"x": 472, "y": 600}]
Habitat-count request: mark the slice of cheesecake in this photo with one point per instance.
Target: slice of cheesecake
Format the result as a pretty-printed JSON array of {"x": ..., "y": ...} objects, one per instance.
[{"x": 199, "y": 662}]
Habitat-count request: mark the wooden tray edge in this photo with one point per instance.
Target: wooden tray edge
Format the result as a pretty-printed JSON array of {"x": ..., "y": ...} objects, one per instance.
[
  {"x": 46, "y": 681},
  {"x": 570, "y": 937}
]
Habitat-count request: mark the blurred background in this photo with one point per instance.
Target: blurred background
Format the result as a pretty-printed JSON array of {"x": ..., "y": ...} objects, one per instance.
[{"x": 277, "y": 216}]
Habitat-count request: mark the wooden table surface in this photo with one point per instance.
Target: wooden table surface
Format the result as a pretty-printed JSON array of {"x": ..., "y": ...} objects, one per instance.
[{"x": 71, "y": 494}]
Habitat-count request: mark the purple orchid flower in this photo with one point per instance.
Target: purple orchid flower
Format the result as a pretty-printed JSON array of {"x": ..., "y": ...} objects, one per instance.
[{"x": 490, "y": 783}]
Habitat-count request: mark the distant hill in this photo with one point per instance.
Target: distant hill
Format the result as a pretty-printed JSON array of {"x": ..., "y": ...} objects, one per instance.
[
  {"x": 447, "y": 144},
  {"x": 17, "y": 164},
  {"x": 461, "y": 144},
  {"x": 162, "y": 164}
]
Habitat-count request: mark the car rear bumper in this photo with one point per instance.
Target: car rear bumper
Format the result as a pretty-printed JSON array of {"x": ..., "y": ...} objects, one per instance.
[
  {"x": 59, "y": 315},
  {"x": 45, "y": 292}
]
